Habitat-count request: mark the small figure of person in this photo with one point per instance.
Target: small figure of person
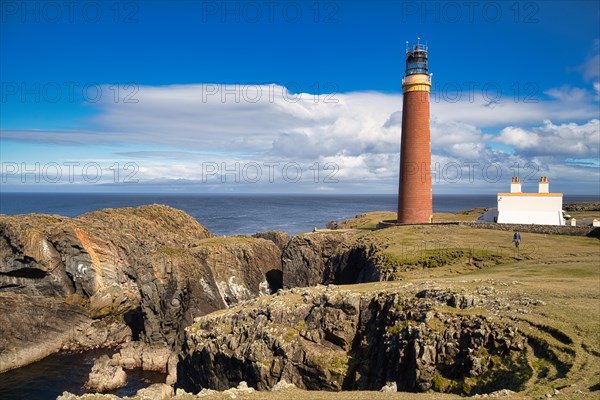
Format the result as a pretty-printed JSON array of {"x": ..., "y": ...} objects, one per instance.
[
  {"x": 517, "y": 240},
  {"x": 315, "y": 229}
]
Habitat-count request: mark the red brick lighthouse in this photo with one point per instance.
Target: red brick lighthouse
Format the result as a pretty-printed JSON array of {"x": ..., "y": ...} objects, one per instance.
[{"x": 414, "y": 193}]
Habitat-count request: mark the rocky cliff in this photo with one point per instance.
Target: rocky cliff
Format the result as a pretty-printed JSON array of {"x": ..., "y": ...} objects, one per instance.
[
  {"x": 154, "y": 276},
  {"x": 332, "y": 339},
  {"x": 340, "y": 257},
  {"x": 305, "y": 256},
  {"x": 116, "y": 275}
]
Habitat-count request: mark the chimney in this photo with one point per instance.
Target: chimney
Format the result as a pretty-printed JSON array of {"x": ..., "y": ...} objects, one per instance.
[
  {"x": 515, "y": 185},
  {"x": 543, "y": 187}
]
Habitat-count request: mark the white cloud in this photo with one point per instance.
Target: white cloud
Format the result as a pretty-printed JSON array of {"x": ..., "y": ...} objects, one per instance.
[
  {"x": 568, "y": 94},
  {"x": 557, "y": 140},
  {"x": 591, "y": 68},
  {"x": 358, "y": 131}
]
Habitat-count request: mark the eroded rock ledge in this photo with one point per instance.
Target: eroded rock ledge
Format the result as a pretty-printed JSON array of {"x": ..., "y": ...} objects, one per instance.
[{"x": 331, "y": 339}]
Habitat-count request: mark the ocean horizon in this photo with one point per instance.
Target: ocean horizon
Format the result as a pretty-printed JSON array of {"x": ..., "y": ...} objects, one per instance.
[{"x": 243, "y": 214}]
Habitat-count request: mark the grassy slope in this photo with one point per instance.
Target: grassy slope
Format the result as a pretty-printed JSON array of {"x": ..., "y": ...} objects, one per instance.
[{"x": 370, "y": 220}]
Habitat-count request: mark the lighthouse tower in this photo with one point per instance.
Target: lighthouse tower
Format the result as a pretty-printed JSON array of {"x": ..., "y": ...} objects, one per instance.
[{"x": 414, "y": 193}]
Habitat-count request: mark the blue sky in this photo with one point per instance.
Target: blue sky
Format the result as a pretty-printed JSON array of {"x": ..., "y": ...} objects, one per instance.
[{"x": 211, "y": 96}]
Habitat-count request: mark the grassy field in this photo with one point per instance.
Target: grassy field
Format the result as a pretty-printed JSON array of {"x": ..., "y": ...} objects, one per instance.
[{"x": 368, "y": 221}]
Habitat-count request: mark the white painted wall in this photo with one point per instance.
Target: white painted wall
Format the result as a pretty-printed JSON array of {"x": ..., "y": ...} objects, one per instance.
[
  {"x": 490, "y": 215},
  {"x": 530, "y": 209}
]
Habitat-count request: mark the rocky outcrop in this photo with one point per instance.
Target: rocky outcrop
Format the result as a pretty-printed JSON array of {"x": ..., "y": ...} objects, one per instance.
[
  {"x": 305, "y": 256},
  {"x": 117, "y": 275},
  {"x": 280, "y": 239},
  {"x": 242, "y": 267},
  {"x": 158, "y": 391},
  {"x": 34, "y": 326},
  {"x": 354, "y": 262},
  {"x": 210, "y": 275},
  {"x": 331, "y": 339},
  {"x": 140, "y": 355},
  {"x": 333, "y": 225},
  {"x": 161, "y": 391},
  {"x": 343, "y": 257},
  {"x": 105, "y": 377},
  {"x": 582, "y": 206}
]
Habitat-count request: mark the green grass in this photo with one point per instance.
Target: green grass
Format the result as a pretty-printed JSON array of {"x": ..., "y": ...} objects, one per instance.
[{"x": 367, "y": 221}]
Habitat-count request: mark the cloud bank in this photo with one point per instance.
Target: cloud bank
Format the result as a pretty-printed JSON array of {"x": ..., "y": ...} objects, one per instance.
[{"x": 176, "y": 129}]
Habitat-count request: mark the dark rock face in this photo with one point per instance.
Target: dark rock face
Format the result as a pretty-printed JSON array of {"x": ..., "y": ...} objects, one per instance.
[
  {"x": 151, "y": 269},
  {"x": 28, "y": 260},
  {"x": 356, "y": 263},
  {"x": 328, "y": 339},
  {"x": 332, "y": 258},
  {"x": 401, "y": 340},
  {"x": 33, "y": 327},
  {"x": 272, "y": 341},
  {"x": 280, "y": 239},
  {"x": 305, "y": 256}
]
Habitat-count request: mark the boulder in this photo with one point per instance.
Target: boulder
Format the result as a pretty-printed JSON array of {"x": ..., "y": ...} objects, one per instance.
[
  {"x": 389, "y": 387},
  {"x": 333, "y": 225},
  {"x": 87, "y": 396},
  {"x": 105, "y": 377},
  {"x": 157, "y": 391},
  {"x": 282, "y": 385}
]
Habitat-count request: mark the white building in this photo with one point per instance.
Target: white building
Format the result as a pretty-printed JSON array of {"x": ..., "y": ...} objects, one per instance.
[{"x": 516, "y": 207}]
